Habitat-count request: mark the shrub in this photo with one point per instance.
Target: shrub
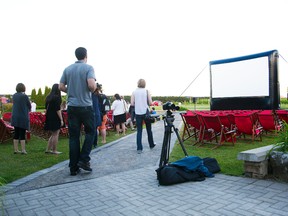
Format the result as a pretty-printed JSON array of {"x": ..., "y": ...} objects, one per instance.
[{"x": 7, "y": 107}]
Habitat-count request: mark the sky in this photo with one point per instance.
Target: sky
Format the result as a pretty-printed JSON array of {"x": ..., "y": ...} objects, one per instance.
[{"x": 167, "y": 43}]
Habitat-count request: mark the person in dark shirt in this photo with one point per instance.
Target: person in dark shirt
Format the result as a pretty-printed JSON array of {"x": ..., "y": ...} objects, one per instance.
[
  {"x": 20, "y": 117},
  {"x": 54, "y": 119}
]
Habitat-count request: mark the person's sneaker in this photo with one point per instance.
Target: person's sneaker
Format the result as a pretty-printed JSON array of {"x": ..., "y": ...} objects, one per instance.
[
  {"x": 85, "y": 166},
  {"x": 56, "y": 152},
  {"x": 151, "y": 147},
  {"x": 74, "y": 172},
  {"x": 139, "y": 151}
]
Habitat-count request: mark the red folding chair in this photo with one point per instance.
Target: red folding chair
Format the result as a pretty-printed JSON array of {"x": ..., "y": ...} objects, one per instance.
[
  {"x": 269, "y": 121},
  {"x": 192, "y": 126},
  {"x": 7, "y": 116},
  {"x": 282, "y": 115},
  {"x": 110, "y": 123},
  {"x": 218, "y": 131},
  {"x": 246, "y": 125},
  {"x": 6, "y": 131},
  {"x": 227, "y": 121}
]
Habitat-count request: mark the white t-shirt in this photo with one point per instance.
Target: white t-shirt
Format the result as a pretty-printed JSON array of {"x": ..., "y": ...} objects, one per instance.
[
  {"x": 119, "y": 107},
  {"x": 140, "y": 101},
  {"x": 33, "y": 107}
]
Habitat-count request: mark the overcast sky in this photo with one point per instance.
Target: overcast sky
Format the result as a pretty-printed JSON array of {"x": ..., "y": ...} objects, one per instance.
[{"x": 168, "y": 43}]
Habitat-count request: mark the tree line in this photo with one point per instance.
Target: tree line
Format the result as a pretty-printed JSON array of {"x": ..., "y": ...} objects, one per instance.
[{"x": 39, "y": 98}]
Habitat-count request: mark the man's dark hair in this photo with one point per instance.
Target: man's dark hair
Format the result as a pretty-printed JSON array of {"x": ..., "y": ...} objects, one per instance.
[{"x": 80, "y": 53}]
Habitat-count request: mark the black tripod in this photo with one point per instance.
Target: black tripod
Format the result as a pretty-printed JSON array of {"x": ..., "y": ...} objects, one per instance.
[{"x": 168, "y": 123}]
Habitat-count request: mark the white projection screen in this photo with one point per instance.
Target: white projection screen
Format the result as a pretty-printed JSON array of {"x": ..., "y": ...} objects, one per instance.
[{"x": 247, "y": 82}]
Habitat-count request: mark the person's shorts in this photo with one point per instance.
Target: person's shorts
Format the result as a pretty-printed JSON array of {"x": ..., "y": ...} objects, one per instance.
[
  {"x": 19, "y": 133},
  {"x": 118, "y": 119},
  {"x": 104, "y": 121}
]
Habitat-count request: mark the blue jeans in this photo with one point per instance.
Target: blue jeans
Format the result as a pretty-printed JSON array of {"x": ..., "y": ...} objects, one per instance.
[
  {"x": 78, "y": 116},
  {"x": 139, "y": 125}
]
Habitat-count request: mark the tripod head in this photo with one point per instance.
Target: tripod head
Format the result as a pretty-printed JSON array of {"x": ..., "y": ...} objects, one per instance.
[{"x": 168, "y": 118}]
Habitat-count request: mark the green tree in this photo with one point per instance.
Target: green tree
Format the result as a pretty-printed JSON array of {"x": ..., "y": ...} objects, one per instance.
[
  {"x": 33, "y": 95},
  {"x": 46, "y": 92},
  {"x": 39, "y": 99}
]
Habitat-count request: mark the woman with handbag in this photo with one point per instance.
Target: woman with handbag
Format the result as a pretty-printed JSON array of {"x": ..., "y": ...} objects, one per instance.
[
  {"x": 119, "y": 108},
  {"x": 141, "y": 100}
]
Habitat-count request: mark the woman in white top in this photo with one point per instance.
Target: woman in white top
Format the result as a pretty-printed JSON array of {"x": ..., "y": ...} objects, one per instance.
[
  {"x": 119, "y": 108},
  {"x": 141, "y": 99}
]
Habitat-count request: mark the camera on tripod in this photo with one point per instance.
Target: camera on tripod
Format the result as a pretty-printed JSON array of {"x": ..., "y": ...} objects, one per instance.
[
  {"x": 169, "y": 127},
  {"x": 170, "y": 106}
]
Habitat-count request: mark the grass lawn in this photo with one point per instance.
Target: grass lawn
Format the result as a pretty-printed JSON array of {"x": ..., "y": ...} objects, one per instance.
[
  {"x": 13, "y": 167},
  {"x": 226, "y": 155},
  {"x": 16, "y": 166}
]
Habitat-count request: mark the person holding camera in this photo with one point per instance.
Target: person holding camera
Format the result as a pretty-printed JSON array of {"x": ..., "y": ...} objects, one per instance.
[
  {"x": 97, "y": 112},
  {"x": 141, "y": 100}
]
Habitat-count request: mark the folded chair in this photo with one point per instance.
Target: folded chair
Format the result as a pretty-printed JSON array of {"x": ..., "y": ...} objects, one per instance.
[
  {"x": 282, "y": 115},
  {"x": 218, "y": 131},
  {"x": 7, "y": 116},
  {"x": 192, "y": 126},
  {"x": 110, "y": 123},
  {"x": 6, "y": 131},
  {"x": 246, "y": 125},
  {"x": 269, "y": 121},
  {"x": 227, "y": 120}
]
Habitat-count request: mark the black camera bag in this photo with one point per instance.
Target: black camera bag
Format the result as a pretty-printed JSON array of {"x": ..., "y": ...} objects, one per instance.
[
  {"x": 211, "y": 164},
  {"x": 169, "y": 175}
]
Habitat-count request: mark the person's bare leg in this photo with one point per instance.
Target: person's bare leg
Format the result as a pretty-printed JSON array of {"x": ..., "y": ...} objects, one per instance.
[
  {"x": 131, "y": 125},
  {"x": 118, "y": 129},
  {"x": 103, "y": 135},
  {"x": 55, "y": 137},
  {"x": 123, "y": 128},
  {"x": 23, "y": 145},
  {"x": 15, "y": 144},
  {"x": 49, "y": 144}
]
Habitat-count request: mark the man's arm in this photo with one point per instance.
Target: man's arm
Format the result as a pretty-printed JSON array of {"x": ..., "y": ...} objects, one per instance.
[
  {"x": 91, "y": 84},
  {"x": 62, "y": 87}
]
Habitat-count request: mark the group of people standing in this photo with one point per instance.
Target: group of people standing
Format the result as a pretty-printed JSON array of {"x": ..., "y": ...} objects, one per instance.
[{"x": 84, "y": 97}]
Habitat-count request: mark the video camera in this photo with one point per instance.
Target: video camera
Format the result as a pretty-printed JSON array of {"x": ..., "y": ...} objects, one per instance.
[{"x": 170, "y": 106}]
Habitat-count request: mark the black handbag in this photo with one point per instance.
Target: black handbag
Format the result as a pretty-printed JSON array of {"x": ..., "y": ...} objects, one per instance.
[{"x": 149, "y": 118}]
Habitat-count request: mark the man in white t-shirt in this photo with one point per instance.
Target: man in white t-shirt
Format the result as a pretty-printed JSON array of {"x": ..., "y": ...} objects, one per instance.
[{"x": 33, "y": 106}]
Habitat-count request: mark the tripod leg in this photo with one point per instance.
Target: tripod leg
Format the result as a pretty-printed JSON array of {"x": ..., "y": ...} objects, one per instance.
[
  {"x": 180, "y": 141},
  {"x": 164, "y": 158}
]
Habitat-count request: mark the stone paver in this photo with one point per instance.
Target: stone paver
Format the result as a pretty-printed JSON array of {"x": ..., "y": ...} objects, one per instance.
[{"x": 124, "y": 183}]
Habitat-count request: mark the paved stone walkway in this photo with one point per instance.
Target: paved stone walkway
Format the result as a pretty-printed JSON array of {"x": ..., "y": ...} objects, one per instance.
[{"x": 124, "y": 183}]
